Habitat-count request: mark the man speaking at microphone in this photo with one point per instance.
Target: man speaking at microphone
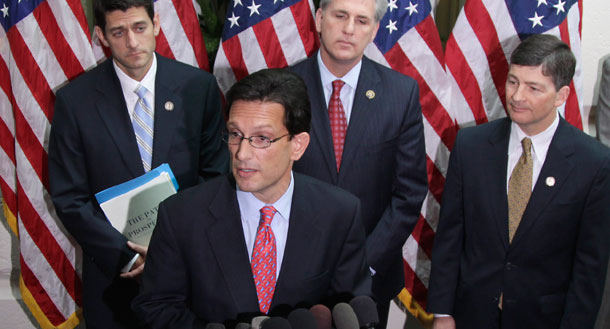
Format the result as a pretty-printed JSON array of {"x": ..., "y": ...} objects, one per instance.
[{"x": 258, "y": 238}]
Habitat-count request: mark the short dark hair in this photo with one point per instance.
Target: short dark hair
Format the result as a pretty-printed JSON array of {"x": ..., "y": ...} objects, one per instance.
[
  {"x": 102, "y": 7},
  {"x": 277, "y": 86},
  {"x": 554, "y": 55}
]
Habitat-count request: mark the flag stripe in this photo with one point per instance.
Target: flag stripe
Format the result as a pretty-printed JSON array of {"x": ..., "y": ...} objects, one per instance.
[
  {"x": 190, "y": 24},
  {"x": 233, "y": 54},
  {"x": 45, "y": 240},
  {"x": 75, "y": 33},
  {"x": 31, "y": 74},
  {"x": 163, "y": 46},
  {"x": 253, "y": 58},
  {"x": 465, "y": 79},
  {"x": 286, "y": 29},
  {"x": 56, "y": 40},
  {"x": 40, "y": 295},
  {"x": 302, "y": 13},
  {"x": 79, "y": 14},
  {"x": 173, "y": 30},
  {"x": 269, "y": 44}
]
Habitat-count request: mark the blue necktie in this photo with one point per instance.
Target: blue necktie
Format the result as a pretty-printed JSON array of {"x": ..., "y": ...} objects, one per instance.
[{"x": 143, "y": 119}]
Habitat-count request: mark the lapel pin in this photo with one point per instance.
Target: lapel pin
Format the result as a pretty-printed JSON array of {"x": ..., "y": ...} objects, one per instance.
[
  {"x": 169, "y": 106},
  {"x": 550, "y": 181},
  {"x": 370, "y": 94}
]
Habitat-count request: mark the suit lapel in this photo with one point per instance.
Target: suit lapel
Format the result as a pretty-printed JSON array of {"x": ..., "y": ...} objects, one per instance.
[
  {"x": 113, "y": 111},
  {"x": 557, "y": 165},
  {"x": 320, "y": 124},
  {"x": 165, "y": 119},
  {"x": 301, "y": 241},
  {"x": 495, "y": 175},
  {"x": 368, "y": 80},
  {"x": 228, "y": 244}
]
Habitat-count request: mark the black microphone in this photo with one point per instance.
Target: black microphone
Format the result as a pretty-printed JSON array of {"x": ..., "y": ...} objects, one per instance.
[
  {"x": 302, "y": 319},
  {"x": 258, "y": 321},
  {"x": 344, "y": 317},
  {"x": 243, "y": 325},
  {"x": 366, "y": 311},
  {"x": 276, "y": 323},
  {"x": 215, "y": 326},
  {"x": 322, "y": 315}
]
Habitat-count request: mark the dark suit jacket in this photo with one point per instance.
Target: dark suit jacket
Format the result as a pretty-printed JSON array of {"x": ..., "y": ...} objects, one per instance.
[
  {"x": 198, "y": 269},
  {"x": 383, "y": 163},
  {"x": 93, "y": 147},
  {"x": 552, "y": 274}
]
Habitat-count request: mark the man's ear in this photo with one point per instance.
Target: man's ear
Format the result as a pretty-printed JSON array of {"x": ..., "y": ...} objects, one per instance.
[
  {"x": 300, "y": 143},
  {"x": 562, "y": 96},
  {"x": 100, "y": 35},
  {"x": 156, "y": 24}
]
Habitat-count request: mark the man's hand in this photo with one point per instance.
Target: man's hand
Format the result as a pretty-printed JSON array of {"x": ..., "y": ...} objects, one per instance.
[
  {"x": 444, "y": 322},
  {"x": 138, "y": 267}
]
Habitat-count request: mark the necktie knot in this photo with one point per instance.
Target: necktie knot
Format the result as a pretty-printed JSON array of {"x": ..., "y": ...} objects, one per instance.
[
  {"x": 141, "y": 91},
  {"x": 267, "y": 213},
  {"x": 337, "y": 85},
  {"x": 526, "y": 143}
]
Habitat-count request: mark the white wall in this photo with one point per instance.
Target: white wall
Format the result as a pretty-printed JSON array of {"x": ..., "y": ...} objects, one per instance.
[{"x": 595, "y": 46}]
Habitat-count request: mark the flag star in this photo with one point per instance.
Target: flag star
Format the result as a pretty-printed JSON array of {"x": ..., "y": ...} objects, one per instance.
[
  {"x": 559, "y": 7},
  {"x": 412, "y": 8},
  {"x": 275, "y": 1},
  {"x": 233, "y": 19},
  {"x": 392, "y": 26},
  {"x": 542, "y": 2},
  {"x": 254, "y": 8},
  {"x": 392, "y": 5},
  {"x": 237, "y": 2},
  {"x": 536, "y": 20},
  {"x": 4, "y": 10}
]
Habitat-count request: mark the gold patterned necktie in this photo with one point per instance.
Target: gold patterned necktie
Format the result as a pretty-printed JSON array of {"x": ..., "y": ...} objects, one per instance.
[{"x": 520, "y": 187}]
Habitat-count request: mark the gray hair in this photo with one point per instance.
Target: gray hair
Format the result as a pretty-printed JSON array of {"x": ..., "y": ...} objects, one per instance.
[{"x": 381, "y": 6}]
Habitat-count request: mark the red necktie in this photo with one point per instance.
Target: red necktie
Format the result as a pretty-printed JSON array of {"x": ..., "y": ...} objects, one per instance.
[
  {"x": 264, "y": 259},
  {"x": 338, "y": 124}
]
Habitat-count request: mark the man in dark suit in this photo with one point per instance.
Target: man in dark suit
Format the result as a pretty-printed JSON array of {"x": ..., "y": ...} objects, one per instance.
[
  {"x": 203, "y": 256},
  {"x": 95, "y": 144},
  {"x": 522, "y": 240},
  {"x": 376, "y": 151}
]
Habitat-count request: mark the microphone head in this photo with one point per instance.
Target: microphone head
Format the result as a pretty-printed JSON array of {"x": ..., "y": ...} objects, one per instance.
[
  {"x": 366, "y": 310},
  {"x": 258, "y": 321},
  {"x": 243, "y": 325},
  {"x": 322, "y": 315},
  {"x": 302, "y": 319},
  {"x": 215, "y": 326},
  {"x": 276, "y": 323},
  {"x": 344, "y": 317}
]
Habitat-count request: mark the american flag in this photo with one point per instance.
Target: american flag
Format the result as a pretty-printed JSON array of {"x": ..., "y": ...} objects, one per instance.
[
  {"x": 262, "y": 34},
  {"x": 43, "y": 45},
  {"x": 180, "y": 37},
  {"x": 408, "y": 42},
  {"x": 484, "y": 36}
]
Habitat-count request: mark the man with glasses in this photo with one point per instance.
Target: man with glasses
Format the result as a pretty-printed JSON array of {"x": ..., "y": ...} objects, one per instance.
[{"x": 241, "y": 245}]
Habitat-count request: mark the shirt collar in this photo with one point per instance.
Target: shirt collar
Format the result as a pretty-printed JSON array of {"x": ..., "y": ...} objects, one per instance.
[
  {"x": 252, "y": 206},
  {"x": 128, "y": 85},
  {"x": 540, "y": 142},
  {"x": 350, "y": 79}
]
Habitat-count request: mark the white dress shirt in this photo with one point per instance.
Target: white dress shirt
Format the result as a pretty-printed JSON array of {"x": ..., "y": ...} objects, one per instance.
[
  {"x": 347, "y": 91},
  {"x": 249, "y": 208},
  {"x": 128, "y": 85},
  {"x": 540, "y": 147}
]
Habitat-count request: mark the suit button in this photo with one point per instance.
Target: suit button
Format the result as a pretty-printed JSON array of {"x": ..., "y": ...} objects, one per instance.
[{"x": 509, "y": 266}]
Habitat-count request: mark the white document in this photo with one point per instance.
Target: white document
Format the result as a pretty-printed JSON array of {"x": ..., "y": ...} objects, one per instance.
[{"x": 132, "y": 207}]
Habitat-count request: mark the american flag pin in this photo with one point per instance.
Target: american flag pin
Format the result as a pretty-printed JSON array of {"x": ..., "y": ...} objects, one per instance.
[
  {"x": 550, "y": 181},
  {"x": 370, "y": 94},
  {"x": 169, "y": 106}
]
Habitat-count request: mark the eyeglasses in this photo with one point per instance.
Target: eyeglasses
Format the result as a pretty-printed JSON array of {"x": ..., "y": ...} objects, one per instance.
[{"x": 259, "y": 142}]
